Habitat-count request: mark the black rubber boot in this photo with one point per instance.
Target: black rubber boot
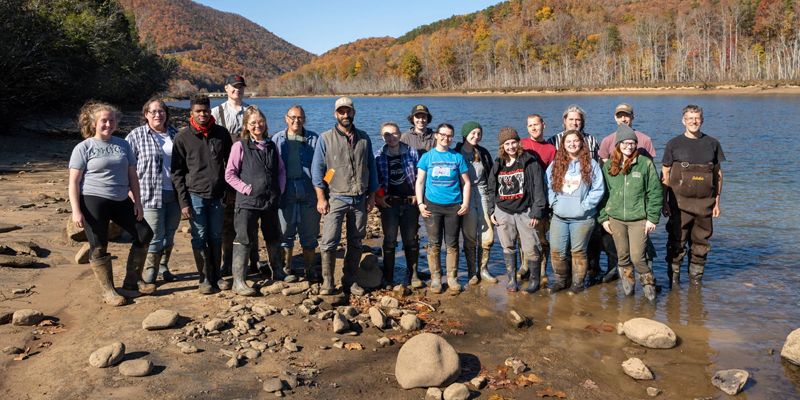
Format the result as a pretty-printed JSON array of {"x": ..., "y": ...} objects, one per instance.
[
  {"x": 412, "y": 266},
  {"x": 276, "y": 256},
  {"x": 151, "y": 265},
  {"x": 627, "y": 278},
  {"x": 352, "y": 258},
  {"x": 580, "y": 265},
  {"x": 534, "y": 280},
  {"x": 227, "y": 255},
  {"x": 309, "y": 265},
  {"x": 470, "y": 254},
  {"x": 435, "y": 265},
  {"x": 133, "y": 272},
  {"x": 286, "y": 262},
  {"x": 483, "y": 257},
  {"x": 611, "y": 275},
  {"x": 163, "y": 267},
  {"x": 674, "y": 275},
  {"x": 202, "y": 260},
  {"x": 388, "y": 268},
  {"x": 216, "y": 279},
  {"x": 696, "y": 273},
  {"x": 103, "y": 272},
  {"x": 254, "y": 259},
  {"x": 241, "y": 255},
  {"x": 560, "y": 271},
  {"x": 328, "y": 264},
  {"x": 511, "y": 271}
]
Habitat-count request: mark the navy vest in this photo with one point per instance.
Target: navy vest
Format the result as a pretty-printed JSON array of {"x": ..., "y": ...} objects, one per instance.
[{"x": 260, "y": 171}]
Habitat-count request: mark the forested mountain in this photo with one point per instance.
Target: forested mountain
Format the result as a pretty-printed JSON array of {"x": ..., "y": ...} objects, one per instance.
[
  {"x": 210, "y": 44},
  {"x": 569, "y": 43}
]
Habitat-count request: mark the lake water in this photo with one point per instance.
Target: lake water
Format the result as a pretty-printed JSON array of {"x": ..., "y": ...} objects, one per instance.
[{"x": 748, "y": 302}]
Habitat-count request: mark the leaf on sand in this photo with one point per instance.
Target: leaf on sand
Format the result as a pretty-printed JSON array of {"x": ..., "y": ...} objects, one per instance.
[
  {"x": 496, "y": 397},
  {"x": 47, "y": 322},
  {"x": 549, "y": 392},
  {"x": 589, "y": 384},
  {"x": 45, "y": 344},
  {"x": 354, "y": 346},
  {"x": 55, "y": 330},
  {"x": 457, "y": 332},
  {"x": 23, "y": 355},
  {"x": 529, "y": 380}
]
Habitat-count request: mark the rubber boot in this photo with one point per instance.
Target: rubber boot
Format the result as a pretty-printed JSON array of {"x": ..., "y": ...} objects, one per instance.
[
  {"x": 580, "y": 265},
  {"x": 435, "y": 265},
  {"x": 627, "y": 278},
  {"x": 328, "y": 264},
  {"x": 534, "y": 280},
  {"x": 469, "y": 255},
  {"x": 151, "y": 263},
  {"x": 133, "y": 272},
  {"x": 451, "y": 260},
  {"x": 523, "y": 272},
  {"x": 309, "y": 265},
  {"x": 674, "y": 275},
  {"x": 227, "y": 255},
  {"x": 388, "y": 268},
  {"x": 253, "y": 268},
  {"x": 163, "y": 268},
  {"x": 102, "y": 271},
  {"x": 611, "y": 275},
  {"x": 241, "y": 258},
  {"x": 543, "y": 280},
  {"x": 202, "y": 260},
  {"x": 560, "y": 271},
  {"x": 286, "y": 262},
  {"x": 696, "y": 273},
  {"x": 352, "y": 258},
  {"x": 276, "y": 254},
  {"x": 648, "y": 282},
  {"x": 216, "y": 278},
  {"x": 412, "y": 265},
  {"x": 511, "y": 271},
  {"x": 483, "y": 255}
]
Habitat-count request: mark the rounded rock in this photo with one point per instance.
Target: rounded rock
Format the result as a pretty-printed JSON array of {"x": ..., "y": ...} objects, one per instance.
[
  {"x": 107, "y": 356},
  {"x": 730, "y": 381},
  {"x": 456, "y": 391},
  {"x": 649, "y": 333},
  {"x": 389, "y": 302},
  {"x": 410, "y": 322},
  {"x": 136, "y": 368},
  {"x": 273, "y": 385},
  {"x": 433, "y": 394},
  {"x": 160, "y": 319},
  {"x": 636, "y": 369},
  {"x": 27, "y": 317},
  {"x": 426, "y": 360},
  {"x": 791, "y": 349}
]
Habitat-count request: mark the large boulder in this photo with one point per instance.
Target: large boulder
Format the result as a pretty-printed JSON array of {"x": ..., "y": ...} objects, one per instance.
[
  {"x": 426, "y": 360},
  {"x": 791, "y": 349},
  {"x": 730, "y": 381},
  {"x": 649, "y": 333}
]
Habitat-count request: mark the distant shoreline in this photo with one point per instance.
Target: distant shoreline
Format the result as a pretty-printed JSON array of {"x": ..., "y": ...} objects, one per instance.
[{"x": 728, "y": 89}]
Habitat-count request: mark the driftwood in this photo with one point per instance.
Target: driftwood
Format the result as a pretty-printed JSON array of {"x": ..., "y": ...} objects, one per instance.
[{"x": 21, "y": 261}]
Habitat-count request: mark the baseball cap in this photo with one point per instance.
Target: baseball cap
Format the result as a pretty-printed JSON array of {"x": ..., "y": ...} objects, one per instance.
[
  {"x": 343, "y": 102},
  {"x": 624, "y": 107},
  {"x": 235, "y": 80}
]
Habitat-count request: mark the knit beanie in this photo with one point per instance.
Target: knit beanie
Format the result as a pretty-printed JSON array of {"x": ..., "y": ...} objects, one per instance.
[
  {"x": 507, "y": 133},
  {"x": 469, "y": 127},
  {"x": 624, "y": 132}
]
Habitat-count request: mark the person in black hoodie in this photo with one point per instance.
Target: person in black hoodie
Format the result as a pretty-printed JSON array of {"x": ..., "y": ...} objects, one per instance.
[
  {"x": 256, "y": 171},
  {"x": 516, "y": 187},
  {"x": 476, "y": 225},
  {"x": 199, "y": 154}
]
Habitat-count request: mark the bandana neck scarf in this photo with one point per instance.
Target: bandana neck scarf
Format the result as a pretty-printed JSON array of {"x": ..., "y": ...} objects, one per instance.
[{"x": 202, "y": 129}]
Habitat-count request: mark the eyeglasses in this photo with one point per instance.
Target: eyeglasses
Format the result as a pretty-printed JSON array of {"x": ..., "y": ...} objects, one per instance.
[
  {"x": 297, "y": 118},
  {"x": 157, "y": 112},
  {"x": 627, "y": 144},
  {"x": 445, "y": 136},
  {"x": 254, "y": 124},
  {"x": 693, "y": 119}
]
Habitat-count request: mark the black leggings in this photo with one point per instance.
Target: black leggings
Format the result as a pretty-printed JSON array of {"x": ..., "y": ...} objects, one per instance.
[
  {"x": 246, "y": 224},
  {"x": 98, "y": 212},
  {"x": 444, "y": 217}
]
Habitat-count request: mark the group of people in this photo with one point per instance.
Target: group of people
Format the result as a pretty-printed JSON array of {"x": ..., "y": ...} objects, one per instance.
[{"x": 228, "y": 176}]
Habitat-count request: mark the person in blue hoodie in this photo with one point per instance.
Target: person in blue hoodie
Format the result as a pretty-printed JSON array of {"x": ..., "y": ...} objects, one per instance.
[{"x": 574, "y": 189}]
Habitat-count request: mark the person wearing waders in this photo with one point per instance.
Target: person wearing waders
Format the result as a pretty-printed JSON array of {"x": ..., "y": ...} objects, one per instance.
[
  {"x": 692, "y": 176},
  {"x": 229, "y": 115},
  {"x": 623, "y": 115},
  {"x": 102, "y": 173},
  {"x": 518, "y": 201},
  {"x": 397, "y": 174},
  {"x": 199, "y": 154},
  {"x": 544, "y": 152},
  {"x": 630, "y": 209},
  {"x": 345, "y": 179},
  {"x": 256, "y": 171},
  {"x": 476, "y": 226}
]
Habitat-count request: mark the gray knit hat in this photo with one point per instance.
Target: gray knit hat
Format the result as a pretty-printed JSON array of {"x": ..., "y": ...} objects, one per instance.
[
  {"x": 624, "y": 132},
  {"x": 507, "y": 133}
]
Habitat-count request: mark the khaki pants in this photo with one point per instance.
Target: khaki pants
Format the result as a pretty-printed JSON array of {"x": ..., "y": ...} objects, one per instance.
[{"x": 631, "y": 243}]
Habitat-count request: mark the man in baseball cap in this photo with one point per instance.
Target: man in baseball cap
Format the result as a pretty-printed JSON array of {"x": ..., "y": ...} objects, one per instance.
[{"x": 419, "y": 136}]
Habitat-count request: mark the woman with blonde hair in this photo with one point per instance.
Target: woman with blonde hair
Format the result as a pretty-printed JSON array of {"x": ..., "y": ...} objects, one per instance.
[
  {"x": 574, "y": 188},
  {"x": 256, "y": 171},
  {"x": 102, "y": 173}
]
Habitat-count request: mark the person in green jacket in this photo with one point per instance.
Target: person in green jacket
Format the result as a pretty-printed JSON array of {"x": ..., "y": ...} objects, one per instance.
[{"x": 630, "y": 208}]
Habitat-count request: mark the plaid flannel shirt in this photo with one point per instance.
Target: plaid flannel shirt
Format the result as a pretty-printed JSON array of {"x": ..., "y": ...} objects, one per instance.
[
  {"x": 149, "y": 163},
  {"x": 409, "y": 159}
]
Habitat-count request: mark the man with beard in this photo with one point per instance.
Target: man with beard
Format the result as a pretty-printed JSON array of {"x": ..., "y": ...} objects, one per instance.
[{"x": 345, "y": 179}]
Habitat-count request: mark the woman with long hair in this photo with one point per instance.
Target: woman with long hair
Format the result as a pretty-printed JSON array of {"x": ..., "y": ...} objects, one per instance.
[
  {"x": 574, "y": 189},
  {"x": 443, "y": 183},
  {"x": 102, "y": 173},
  {"x": 152, "y": 145},
  {"x": 257, "y": 173},
  {"x": 630, "y": 208},
  {"x": 516, "y": 187},
  {"x": 476, "y": 225}
]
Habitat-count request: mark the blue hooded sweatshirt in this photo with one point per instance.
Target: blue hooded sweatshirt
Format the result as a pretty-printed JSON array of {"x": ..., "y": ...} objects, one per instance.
[{"x": 575, "y": 200}]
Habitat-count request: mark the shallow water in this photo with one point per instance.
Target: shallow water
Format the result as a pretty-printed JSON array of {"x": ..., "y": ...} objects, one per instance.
[{"x": 748, "y": 301}]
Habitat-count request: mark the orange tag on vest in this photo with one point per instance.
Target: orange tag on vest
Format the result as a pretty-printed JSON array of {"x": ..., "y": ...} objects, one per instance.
[{"x": 329, "y": 176}]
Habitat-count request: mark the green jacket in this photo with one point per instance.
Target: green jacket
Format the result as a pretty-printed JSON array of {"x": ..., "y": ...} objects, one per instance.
[{"x": 632, "y": 197}]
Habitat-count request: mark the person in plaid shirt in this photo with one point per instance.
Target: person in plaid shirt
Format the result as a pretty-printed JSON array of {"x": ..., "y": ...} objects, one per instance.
[{"x": 152, "y": 145}]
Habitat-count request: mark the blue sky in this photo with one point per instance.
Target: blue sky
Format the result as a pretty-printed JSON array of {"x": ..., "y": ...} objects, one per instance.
[{"x": 318, "y": 26}]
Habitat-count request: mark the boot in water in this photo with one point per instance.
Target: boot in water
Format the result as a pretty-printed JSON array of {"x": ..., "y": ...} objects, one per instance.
[
  {"x": 483, "y": 256},
  {"x": 534, "y": 280},
  {"x": 696, "y": 273},
  {"x": 627, "y": 277},
  {"x": 511, "y": 271},
  {"x": 648, "y": 282},
  {"x": 580, "y": 265},
  {"x": 560, "y": 271},
  {"x": 674, "y": 274}
]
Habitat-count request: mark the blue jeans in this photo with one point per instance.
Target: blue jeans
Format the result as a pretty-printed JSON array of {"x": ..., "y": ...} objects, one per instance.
[
  {"x": 298, "y": 218},
  {"x": 402, "y": 216},
  {"x": 569, "y": 235},
  {"x": 164, "y": 221},
  {"x": 206, "y": 222}
]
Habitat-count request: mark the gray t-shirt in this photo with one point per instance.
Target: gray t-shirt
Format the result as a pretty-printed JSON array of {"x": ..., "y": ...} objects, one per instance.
[
  {"x": 477, "y": 176},
  {"x": 105, "y": 167}
]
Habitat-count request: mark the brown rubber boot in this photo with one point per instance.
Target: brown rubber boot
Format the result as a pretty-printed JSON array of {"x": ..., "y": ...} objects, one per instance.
[
  {"x": 133, "y": 273},
  {"x": 412, "y": 265},
  {"x": 102, "y": 271},
  {"x": 328, "y": 264},
  {"x": 435, "y": 265},
  {"x": 580, "y": 265},
  {"x": 452, "y": 271},
  {"x": 309, "y": 265},
  {"x": 286, "y": 262},
  {"x": 470, "y": 254},
  {"x": 483, "y": 256}
]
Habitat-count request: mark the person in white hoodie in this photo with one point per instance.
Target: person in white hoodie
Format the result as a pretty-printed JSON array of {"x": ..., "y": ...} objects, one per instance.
[{"x": 574, "y": 189}]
